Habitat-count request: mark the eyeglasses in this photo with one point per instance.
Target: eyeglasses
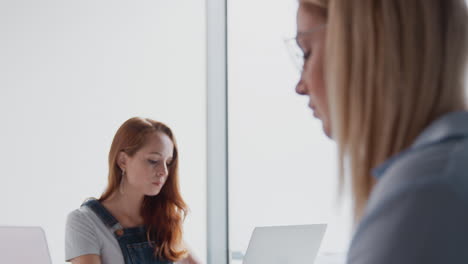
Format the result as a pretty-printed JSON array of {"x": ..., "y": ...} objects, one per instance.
[{"x": 295, "y": 52}]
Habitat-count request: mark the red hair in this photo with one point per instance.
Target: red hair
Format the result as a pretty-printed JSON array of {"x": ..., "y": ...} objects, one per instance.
[{"x": 164, "y": 213}]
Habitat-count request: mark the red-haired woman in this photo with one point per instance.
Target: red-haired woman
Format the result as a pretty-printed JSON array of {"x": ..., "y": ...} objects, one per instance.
[{"x": 138, "y": 219}]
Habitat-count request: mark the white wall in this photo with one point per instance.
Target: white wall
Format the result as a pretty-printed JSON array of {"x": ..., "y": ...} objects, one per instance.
[{"x": 70, "y": 73}]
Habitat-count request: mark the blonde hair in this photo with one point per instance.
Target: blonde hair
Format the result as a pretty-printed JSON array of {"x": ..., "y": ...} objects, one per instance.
[{"x": 392, "y": 67}]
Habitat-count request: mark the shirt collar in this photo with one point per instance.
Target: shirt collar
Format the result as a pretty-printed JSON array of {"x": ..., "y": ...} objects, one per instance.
[{"x": 451, "y": 125}]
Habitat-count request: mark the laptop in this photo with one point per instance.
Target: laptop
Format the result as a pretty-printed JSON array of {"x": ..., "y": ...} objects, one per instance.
[
  {"x": 285, "y": 244},
  {"x": 23, "y": 245}
]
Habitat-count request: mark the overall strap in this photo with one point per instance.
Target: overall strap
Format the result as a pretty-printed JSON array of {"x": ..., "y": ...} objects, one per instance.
[{"x": 106, "y": 217}]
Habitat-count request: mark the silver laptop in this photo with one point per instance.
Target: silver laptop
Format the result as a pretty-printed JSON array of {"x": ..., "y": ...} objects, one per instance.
[
  {"x": 23, "y": 245},
  {"x": 285, "y": 244}
]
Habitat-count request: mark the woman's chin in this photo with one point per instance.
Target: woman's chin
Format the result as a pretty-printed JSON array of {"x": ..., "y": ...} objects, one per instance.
[
  {"x": 326, "y": 129},
  {"x": 153, "y": 192}
]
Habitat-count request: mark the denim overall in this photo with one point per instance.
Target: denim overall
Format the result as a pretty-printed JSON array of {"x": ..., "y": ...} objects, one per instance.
[{"x": 133, "y": 241}]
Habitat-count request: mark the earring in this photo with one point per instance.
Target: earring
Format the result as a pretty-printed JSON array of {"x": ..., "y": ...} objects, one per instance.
[{"x": 122, "y": 182}]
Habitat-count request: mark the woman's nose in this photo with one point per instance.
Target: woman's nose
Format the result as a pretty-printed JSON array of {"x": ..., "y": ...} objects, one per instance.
[
  {"x": 163, "y": 171},
  {"x": 300, "y": 88}
]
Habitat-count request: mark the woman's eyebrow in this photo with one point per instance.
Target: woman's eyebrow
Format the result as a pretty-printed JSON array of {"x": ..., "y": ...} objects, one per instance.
[{"x": 157, "y": 153}]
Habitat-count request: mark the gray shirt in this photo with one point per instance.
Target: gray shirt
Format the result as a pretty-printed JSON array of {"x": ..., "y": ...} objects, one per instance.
[
  {"x": 86, "y": 234},
  {"x": 418, "y": 211}
]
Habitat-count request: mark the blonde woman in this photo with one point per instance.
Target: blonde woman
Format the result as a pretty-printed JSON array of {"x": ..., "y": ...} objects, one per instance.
[{"x": 386, "y": 79}]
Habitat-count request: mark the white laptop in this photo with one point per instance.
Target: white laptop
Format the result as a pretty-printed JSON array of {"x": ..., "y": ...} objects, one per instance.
[
  {"x": 285, "y": 244},
  {"x": 23, "y": 245}
]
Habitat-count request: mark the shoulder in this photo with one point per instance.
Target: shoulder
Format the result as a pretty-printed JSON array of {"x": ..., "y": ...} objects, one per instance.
[
  {"x": 443, "y": 166},
  {"x": 433, "y": 196},
  {"x": 430, "y": 214},
  {"x": 432, "y": 162},
  {"x": 83, "y": 222},
  {"x": 81, "y": 215},
  {"x": 82, "y": 234}
]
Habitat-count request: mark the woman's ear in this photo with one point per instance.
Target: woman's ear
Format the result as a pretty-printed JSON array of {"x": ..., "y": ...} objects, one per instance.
[{"x": 122, "y": 160}]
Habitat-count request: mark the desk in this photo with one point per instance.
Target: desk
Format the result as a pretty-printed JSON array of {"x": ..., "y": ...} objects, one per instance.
[
  {"x": 322, "y": 258},
  {"x": 330, "y": 258}
]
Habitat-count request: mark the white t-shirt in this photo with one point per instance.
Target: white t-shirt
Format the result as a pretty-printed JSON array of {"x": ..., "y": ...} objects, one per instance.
[{"x": 85, "y": 234}]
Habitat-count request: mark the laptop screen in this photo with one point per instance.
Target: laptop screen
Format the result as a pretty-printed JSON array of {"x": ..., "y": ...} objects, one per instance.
[
  {"x": 285, "y": 244},
  {"x": 23, "y": 245}
]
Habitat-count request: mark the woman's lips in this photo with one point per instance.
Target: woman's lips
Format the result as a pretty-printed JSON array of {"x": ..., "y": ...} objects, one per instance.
[
  {"x": 311, "y": 106},
  {"x": 314, "y": 110}
]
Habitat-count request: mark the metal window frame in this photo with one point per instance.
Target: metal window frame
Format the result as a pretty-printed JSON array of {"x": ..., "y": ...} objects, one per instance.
[{"x": 217, "y": 133}]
